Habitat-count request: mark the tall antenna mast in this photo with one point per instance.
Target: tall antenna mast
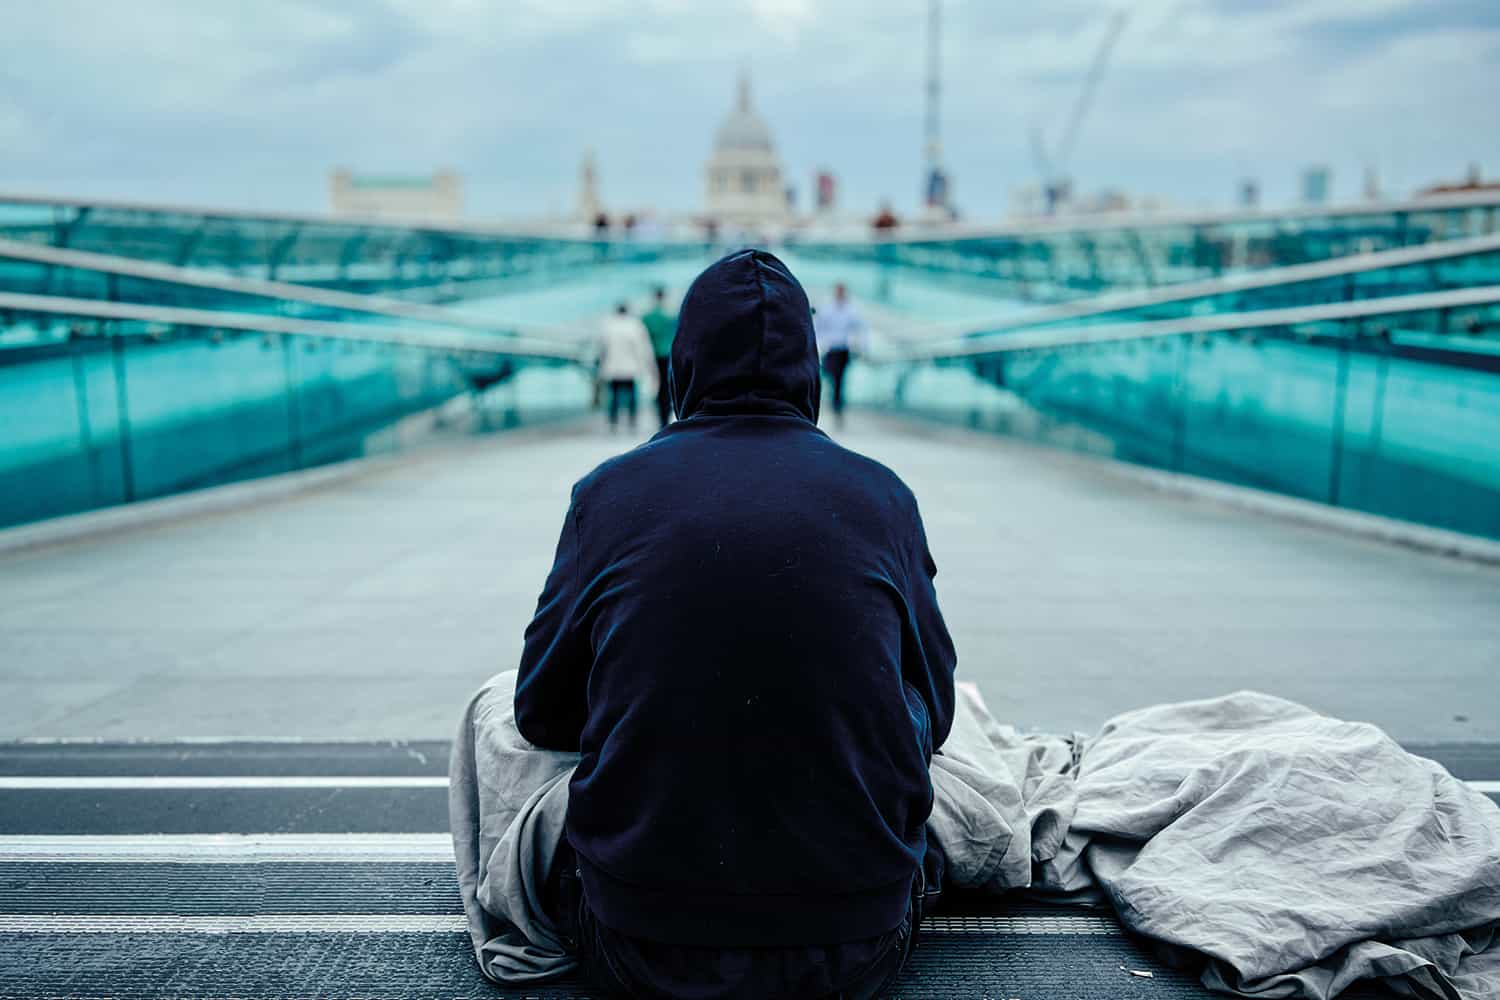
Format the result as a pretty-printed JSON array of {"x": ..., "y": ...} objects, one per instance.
[
  {"x": 935, "y": 193},
  {"x": 934, "y": 81}
]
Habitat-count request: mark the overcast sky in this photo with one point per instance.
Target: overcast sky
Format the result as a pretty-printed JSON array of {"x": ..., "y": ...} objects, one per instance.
[{"x": 250, "y": 102}]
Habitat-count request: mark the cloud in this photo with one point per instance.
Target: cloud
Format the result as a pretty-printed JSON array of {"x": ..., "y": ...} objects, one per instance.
[{"x": 251, "y": 102}]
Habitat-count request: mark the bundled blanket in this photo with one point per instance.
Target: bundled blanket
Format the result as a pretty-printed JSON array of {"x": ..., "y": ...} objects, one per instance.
[{"x": 1287, "y": 853}]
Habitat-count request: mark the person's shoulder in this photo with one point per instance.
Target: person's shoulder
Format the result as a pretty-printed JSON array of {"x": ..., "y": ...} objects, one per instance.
[
  {"x": 873, "y": 476},
  {"x": 612, "y": 473}
]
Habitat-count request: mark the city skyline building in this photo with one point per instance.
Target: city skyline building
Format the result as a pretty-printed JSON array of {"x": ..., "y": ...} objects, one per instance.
[
  {"x": 1316, "y": 185},
  {"x": 743, "y": 181},
  {"x": 439, "y": 196}
]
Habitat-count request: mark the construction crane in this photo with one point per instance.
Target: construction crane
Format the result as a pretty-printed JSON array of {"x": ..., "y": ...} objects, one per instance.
[{"x": 1053, "y": 166}]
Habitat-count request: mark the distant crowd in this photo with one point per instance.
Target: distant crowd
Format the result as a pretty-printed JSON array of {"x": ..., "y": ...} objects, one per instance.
[{"x": 634, "y": 355}]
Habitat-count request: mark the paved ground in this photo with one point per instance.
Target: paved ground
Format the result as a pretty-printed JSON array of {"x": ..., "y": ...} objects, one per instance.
[
  {"x": 372, "y": 608},
  {"x": 336, "y": 880}
]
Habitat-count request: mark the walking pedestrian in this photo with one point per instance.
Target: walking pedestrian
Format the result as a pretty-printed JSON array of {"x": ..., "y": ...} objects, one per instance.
[
  {"x": 840, "y": 332},
  {"x": 662, "y": 326},
  {"x": 625, "y": 362}
]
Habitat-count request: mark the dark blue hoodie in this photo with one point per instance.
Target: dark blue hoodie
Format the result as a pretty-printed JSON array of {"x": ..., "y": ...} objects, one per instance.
[{"x": 740, "y": 634}]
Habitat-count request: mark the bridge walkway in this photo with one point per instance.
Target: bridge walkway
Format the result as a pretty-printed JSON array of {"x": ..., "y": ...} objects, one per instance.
[
  {"x": 295, "y": 665},
  {"x": 370, "y": 607}
]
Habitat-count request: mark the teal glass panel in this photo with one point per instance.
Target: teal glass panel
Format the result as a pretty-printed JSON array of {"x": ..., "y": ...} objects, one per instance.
[
  {"x": 1463, "y": 270},
  {"x": 1258, "y": 411},
  {"x": 205, "y": 409},
  {"x": 1063, "y": 260},
  {"x": 150, "y": 410},
  {"x": 64, "y": 455},
  {"x": 1385, "y": 414},
  {"x": 393, "y": 259},
  {"x": 1421, "y": 438},
  {"x": 46, "y": 446}
]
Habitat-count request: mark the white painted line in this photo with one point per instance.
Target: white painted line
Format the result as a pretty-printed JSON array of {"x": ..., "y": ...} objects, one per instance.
[
  {"x": 266, "y": 923},
  {"x": 202, "y": 782},
  {"x": 397, "y": 923},
  {"x": 230, "y": 848},
  {"x": 140, "y": 782},
  {"x": 152, "y": 743}
]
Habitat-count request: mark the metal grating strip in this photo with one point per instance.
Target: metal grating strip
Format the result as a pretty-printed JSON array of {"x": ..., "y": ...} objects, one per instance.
[
  {"x": 1030, "y": 924},
  {"x": 371, "y": 966}
]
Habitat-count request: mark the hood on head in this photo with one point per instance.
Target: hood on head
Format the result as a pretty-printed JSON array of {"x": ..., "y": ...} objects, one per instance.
[{"x": 745, "y": 342}]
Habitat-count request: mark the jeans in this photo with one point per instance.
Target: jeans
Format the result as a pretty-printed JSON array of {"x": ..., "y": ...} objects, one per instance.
[
  {"x": 663, "y": 392},
  {"x": 621, "y": 392},
  {"x": 625, "y": 967},
  {"x": 836, "y": 363}
]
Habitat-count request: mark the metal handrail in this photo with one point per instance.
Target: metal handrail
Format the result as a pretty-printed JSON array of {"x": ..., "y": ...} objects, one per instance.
[
  {"x": 253, "y": 322},
  {"x": 541, "y": 231},
  {"x": 374, "y": 305},
  {"x": 1334, "y": 267},
  {"x": 453, "y": 226},
  {"x": 1147, "y": 330},
  {"x": 1139, "y": 220}
]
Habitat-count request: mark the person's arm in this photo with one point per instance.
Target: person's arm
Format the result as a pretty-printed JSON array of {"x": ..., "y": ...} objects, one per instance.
[
  {"x": 552, "y": 688},
  {"x": 928, "y": 662}
]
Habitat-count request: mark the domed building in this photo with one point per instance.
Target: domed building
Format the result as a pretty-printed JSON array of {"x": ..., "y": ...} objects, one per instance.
[{"x": 743, "y": 175}]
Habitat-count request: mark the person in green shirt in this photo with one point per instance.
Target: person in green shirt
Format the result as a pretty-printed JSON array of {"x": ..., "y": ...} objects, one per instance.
[{"x": 662, "y": 326}]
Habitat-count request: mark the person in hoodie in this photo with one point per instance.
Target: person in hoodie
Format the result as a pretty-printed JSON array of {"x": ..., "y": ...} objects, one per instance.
[{"x": 741, "y": 637}]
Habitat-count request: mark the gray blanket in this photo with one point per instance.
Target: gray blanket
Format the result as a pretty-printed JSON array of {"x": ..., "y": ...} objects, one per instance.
[
  {"x": 1297, "y": 853},
  {"x": 1289, "y": 853}
]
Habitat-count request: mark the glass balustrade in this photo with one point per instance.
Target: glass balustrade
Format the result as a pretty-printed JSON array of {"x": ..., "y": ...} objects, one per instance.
[
  {"x": 422, "y": 261},
  {"x": 1469, "y": 264},
  {"x": 1068, "y": 259},
  {"x": 114, "y": 279},
  {"x": 1395, "y": 414},
  {"x": 114, "y": 411}
]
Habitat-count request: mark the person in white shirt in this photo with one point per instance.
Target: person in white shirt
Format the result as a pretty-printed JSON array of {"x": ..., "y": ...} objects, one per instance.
[
  {"x": 840, "y": 332},
  {"x": 625, "y": 360}
]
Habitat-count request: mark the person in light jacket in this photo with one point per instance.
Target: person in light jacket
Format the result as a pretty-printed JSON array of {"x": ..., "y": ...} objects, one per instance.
[
  {"x": 840, "y": 334},
  {"x": 625, "y": 360}
]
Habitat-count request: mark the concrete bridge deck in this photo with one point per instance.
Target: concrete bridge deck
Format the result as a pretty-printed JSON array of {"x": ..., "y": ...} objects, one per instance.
[
  {"x": 370, "y": 607},
  {"x": 365, "y": 610}
]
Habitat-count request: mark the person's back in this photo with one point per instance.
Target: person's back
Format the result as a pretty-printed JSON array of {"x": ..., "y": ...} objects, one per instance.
[
  {"x": 624, "y": 347},
  {"x": 741, "y": 635}
]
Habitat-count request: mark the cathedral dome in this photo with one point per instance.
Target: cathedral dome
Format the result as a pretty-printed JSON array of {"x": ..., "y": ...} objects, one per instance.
[
  {"x": 743, "y": 129},
  {"x": 742, "y": 179}
]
